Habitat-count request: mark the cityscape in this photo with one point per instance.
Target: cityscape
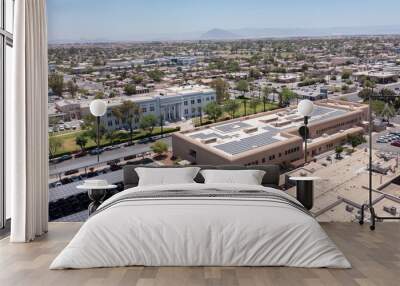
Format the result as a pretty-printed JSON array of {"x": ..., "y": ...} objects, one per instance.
[{"x": 228, "y": 101}]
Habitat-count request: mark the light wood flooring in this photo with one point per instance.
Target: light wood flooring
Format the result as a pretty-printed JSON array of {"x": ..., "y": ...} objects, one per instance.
[{"x": 375, "y": 257}]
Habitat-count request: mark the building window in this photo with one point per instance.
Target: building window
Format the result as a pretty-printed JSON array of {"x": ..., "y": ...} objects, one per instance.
[
  {"x": 199, "y": 100},
  {"x": 144, "y": 109},
  {"x": 186, "y": 111},
  {"x": 152, "y": 108},
  {"x": 185, "y": 103},
  {"x": 192, "y": 101},
  {"x": 193, "y": 153}
]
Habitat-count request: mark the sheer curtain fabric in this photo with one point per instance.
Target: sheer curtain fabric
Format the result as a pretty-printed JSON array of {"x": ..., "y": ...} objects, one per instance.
[{"x": 27, "y": 122}]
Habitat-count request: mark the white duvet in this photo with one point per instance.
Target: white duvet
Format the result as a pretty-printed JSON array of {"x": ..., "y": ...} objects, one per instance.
[{"x": 200, "y": 231}]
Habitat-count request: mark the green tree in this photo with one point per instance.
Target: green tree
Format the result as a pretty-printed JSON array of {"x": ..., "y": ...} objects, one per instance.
[
  {"x": 377, "y": 106},
  {"x": 388, "y": 112},
  {"x": 346, "y": 74},
  {"x": 231, "y": 106},
  {"x": 148, "y": 122},
  {"x": 254, "y": 104},
  {"x": 72, "y": 88},
  {"x": 99, "y": 95},
  {"x": 128, "y": 113},
  {"x": 365, "y": 93},
  {"x": 356, "y": 140},
  {"x": 54, "y": 145},
  {"x": 213, "y": 111},
  {"x": 138, "y": 79},
  {"x": 156, "y": 75},
  {"x": 242, "y": 86},
  {"x": 285, "y": 96},
  {"x": 387, "y": 92},
  {"x": 255, "y": 73},
  {"x": 221, "y": 89},
  {"x": 339, "y": 150},
  {"x": 130, "y": 89},
  {"x": 81, "y": 141},
  {"x": 159, "y": 147},
  {"x": 90, "y": 125},
  {"x": 56, "y": 83},
  {"x": 232, "y": 66},
  {"x": 111, "y": 136}
]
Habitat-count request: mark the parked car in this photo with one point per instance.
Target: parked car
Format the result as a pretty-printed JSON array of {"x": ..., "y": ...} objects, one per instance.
[
  {"x": 395, "y": 143},
  {"x": 70, "y": 172},
  {"x": 113, "y": 162},
  {"x": 80, "y": 154},
  {"x": 144, "y": 141},
  {"x": 109, "y": 148},
  {"x": 115, "y": 168},
  {"x": 96, "y": 151},
  {"x": 65, "y": 157}
]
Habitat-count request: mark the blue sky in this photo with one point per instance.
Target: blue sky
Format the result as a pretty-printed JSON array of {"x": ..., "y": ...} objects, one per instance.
[{"x": 130, "y": 19}]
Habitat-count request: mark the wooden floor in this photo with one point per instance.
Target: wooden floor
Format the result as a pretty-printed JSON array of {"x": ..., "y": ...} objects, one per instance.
[{"x": 375, "y": 257}]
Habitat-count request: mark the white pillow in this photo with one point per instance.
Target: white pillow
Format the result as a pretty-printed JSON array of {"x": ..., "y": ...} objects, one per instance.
[
  {"x": 244, "y": 177},
  {"x": 166, "y": 176}
]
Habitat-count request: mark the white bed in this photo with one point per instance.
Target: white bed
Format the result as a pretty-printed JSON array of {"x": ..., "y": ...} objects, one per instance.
[{"x": 184, "y": 230}]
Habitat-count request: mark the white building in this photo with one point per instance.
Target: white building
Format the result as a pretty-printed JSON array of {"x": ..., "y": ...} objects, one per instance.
[{"x": 173, "y": 104}]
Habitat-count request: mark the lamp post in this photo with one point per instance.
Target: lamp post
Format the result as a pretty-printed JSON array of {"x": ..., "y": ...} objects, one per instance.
[
  {"x": 98, "y": 108},
  {"x": 305, "y": 108}
]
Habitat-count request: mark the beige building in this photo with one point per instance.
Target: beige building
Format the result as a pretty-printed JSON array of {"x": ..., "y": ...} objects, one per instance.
[{"x": 271, "y": 137}]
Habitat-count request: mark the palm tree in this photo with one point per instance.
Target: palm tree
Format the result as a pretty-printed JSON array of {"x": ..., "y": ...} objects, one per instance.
[
  {"x": 81, "y": 141},
  {"x": 110, "y": 136},
  {"x": 388, "y": 112},
  {"x": 253, "y": 104},
  {"x": 231, "y": 106},
  {"x": 128, "y": 112},
  {"x": 54, "y": 145}
]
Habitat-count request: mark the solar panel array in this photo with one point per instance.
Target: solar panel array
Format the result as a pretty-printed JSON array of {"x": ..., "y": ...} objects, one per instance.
[
  {"x": 325, "y": 113},
  {"x": 246, "y": 144},
  {"x": 232, "y": 127},
  {"x": 203, "y": 136}
]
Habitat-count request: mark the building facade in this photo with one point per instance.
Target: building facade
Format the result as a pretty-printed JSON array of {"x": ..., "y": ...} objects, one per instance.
[{"x": 172, "y": 104}]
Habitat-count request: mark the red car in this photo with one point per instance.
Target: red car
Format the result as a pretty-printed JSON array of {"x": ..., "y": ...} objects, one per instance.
[{"x": 395, "y": 143}]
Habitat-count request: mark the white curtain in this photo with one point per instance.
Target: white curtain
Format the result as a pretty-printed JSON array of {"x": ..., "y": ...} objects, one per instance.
[{"x": 26, "y": 120}]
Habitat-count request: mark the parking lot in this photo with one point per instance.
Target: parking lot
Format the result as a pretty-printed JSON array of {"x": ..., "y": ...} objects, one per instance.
[{"x": 386, "y": 141}]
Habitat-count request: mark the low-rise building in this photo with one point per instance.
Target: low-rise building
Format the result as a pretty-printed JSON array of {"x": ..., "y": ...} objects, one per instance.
[
  {"x": 172, "y": 104},
  {"x": 272, "y": 137}
]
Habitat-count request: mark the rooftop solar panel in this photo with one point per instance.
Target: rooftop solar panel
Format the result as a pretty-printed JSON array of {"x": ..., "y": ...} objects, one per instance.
[
  {"x": 203, "y": 136},
  {"x": 246, "y": 144},
  {"x": 231, "y": 127}
]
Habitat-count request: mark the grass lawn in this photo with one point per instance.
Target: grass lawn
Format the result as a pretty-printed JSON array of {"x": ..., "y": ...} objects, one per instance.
[
  {"x": 240, "y": 112},
  {"x": 69, "y": 144},
  {"x": 260, "y": 108}
]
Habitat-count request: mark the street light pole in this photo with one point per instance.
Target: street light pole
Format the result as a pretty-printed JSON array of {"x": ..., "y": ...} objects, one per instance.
[
  {"x": 98, "y": 139},
  {"x": 305, "y": 108},
  {"x": 370, "y": 145},
  {"x": 98, "y": 108},
  {"x": 305, "y": 138}
]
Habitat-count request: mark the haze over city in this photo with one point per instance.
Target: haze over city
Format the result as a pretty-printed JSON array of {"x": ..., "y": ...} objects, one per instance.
[{"x": 122, "y": 20}]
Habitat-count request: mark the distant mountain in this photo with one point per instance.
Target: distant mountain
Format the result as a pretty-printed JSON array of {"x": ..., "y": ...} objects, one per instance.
[
  {"x": 219, "y": 34},
  {"x": 244, "y": 33},
  {"x": 315, "y": 32}
]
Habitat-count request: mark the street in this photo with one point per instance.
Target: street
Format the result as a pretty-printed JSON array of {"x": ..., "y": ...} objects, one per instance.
[{"x": 91, "y": 160}]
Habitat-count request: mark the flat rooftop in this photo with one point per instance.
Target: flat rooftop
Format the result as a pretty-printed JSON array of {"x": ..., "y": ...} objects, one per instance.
[{"x": 243, "y": 135}]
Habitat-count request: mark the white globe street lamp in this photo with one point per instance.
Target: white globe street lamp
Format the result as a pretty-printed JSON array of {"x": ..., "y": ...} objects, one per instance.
[
  {"x": 98, "y": 108},
  {"x": 305, "y": 108}
]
